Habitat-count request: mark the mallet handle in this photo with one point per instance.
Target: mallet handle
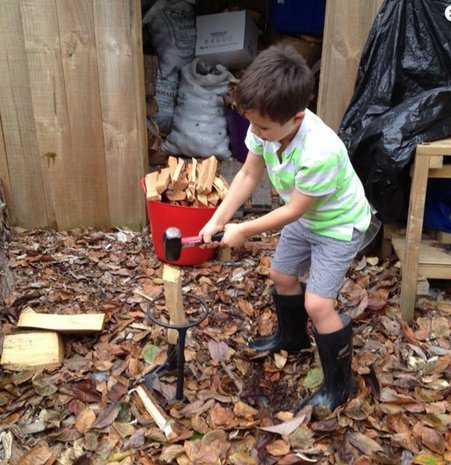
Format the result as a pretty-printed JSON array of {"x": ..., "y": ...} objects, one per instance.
[{"x": 194, "y": 241}]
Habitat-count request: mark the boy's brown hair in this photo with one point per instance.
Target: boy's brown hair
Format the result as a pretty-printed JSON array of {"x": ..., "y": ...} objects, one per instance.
[{"x": 277, "y": 84}]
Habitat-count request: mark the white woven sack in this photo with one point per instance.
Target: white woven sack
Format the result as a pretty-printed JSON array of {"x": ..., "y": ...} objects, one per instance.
[{"x": 199, "y": 127}]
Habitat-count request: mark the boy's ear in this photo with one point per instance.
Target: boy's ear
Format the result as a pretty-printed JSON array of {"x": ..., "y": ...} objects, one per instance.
[{"x": 299, "y": 116}]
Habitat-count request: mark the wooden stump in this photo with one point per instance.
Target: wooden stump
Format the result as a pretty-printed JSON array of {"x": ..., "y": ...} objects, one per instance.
[{"x": 6, "y": 275}]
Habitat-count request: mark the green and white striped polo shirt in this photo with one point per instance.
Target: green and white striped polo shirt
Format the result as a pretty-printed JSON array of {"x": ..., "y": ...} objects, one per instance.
[{"x": 316, "y": 163}]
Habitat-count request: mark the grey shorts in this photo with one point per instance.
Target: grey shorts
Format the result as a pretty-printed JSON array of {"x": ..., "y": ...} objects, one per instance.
[{"x": 325, "y": 259}]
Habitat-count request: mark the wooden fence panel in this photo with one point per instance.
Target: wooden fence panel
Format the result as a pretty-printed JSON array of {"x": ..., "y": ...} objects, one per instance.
[
  {"x": 346, "y": 29},
  {"x": 118, "y": 31},
  {"x": 79, "y": 59},
  {"x": 72, "y": 109},
  {"x": 27, "y": 207},
  {"x": 51, "y": 112}
]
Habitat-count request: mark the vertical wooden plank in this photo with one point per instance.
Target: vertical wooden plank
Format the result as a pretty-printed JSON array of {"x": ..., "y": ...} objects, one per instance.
[
  {"x": 79, "y": 64},
  {"x": 121, "y": 82},
  {"x": 346, "y": 29},
  {"x": 4, "y": 174},
  {"x": 409, "y": 264},
  {"x": 25, "y": 190},
  {"x": 47, "y": 86}
]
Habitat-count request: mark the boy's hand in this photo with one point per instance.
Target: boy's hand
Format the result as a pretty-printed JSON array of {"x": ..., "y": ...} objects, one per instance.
[
  {"x": 207, "y": 232},
  {"x": 234, "y": 235}
]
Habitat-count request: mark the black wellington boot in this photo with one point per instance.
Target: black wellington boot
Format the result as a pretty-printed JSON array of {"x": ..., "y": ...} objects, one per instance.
[
  {"x": 291, "y": 334},
  {"x": 335, "y": 353}
]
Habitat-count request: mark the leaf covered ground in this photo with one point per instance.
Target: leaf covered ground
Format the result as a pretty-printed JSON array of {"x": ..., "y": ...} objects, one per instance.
[{"x": 240, "y": 407}]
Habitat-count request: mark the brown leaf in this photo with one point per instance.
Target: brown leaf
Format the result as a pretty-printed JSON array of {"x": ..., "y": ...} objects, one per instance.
[
  {"x": 219, "y": 351},
  {"x": 278, "y": 448},
  {"x": 365, "y": 444},
  {"x": 240, "y": 458},
  {"x": 302, "y": 438},
  {"x": 209, "y": 450},
  {"x": 408, "y": 333},
  {"x": 406, "y": 441},
  {"x": 117, "y": 392},
  {"x": 170, "y": 453},
  {"x": 84, "y": 420},
  {"x": 86, "y": 391},
  {"x": 36, "y": 456},
  {"x": 287, "y": 427},
  {"x": 241, "y": 409},
  {"x": 246, "y": 307},
  {"x": 220, "y": 416},
  {"x": 106, "y": 417},
  {"x": 362, "y": 461},
  {"x": 376, "y": 304},
  {"x": 430, "y": 438}
]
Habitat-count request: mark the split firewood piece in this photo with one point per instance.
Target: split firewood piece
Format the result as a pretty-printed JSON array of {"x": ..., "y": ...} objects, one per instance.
[
  {"x": 163, "y": 180},
  {"x": 213, "y": 199},
  {"x": 207, "y": 173},
  {"x": 175, "y": 196},
  {"x": 193, "y": 171},
  {"x": 221, "y": 186},
  {"x": 172, "y": 281},
  {"x": 166, "y": 424},
  {"x": 28, "y": 351},
  {"x": 68, "y": 324},
  {"x": 172, "y": 165},
  {"x": 151, "y": 186},
  {"x": 202, "y": 200},
  {"x": 190, "y": 194},
  {"x": 181, "y": 184},
  {"x": 177, "y": 174},
  {"x": 224, "y": 254}
]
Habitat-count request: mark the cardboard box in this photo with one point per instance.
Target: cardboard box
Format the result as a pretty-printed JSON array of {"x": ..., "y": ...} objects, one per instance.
[{"x": 229, "y": 39}]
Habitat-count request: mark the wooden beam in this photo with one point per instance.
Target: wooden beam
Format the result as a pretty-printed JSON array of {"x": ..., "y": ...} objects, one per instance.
[
  {"x": 413, "y": 237},
  {"x": 27, "y": 351},
  {"x": 438, "y": 147},
  {"x": 67, "y": 324}
]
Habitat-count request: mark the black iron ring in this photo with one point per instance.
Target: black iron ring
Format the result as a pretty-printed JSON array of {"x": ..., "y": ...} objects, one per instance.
[{"x": 202, "y": 317}]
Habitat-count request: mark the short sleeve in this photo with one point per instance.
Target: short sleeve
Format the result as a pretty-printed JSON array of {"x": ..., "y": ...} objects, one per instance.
[
  {"x": 253, "y": 143},
  {"x": 318, "y": 176}
]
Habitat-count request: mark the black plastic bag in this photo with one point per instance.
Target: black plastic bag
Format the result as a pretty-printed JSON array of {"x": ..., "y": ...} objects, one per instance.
[{"x": 402, "y": 98}]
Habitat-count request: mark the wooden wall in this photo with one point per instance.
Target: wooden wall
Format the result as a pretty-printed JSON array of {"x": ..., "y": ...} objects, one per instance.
[
  {"x": 346, "y": 29},
  {"x": 72, "y": 133}
]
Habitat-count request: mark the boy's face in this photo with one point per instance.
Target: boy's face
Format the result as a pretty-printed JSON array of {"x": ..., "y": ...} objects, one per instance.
[{"x": 271, "y": 131}]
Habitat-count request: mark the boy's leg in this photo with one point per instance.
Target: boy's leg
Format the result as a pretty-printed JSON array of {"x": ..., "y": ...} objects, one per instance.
[
  {"x": 333, "y": 333},
  {"x": 292, "y": 256}
]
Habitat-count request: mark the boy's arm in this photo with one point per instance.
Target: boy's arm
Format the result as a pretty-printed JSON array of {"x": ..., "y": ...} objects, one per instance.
[
  {"x": 240, "y": 190},
  {"x": 236, "y": 234}
]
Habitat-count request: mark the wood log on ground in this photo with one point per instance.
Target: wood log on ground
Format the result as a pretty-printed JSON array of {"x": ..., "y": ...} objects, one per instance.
[
  {"x": 27, "y": 351},
  {"x": 166, "y": 424},
  {"x": 86, "y": 323}
]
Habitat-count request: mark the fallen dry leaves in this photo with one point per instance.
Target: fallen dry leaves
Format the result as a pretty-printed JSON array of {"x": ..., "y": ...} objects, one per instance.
[{"x": 240, "y": 407}]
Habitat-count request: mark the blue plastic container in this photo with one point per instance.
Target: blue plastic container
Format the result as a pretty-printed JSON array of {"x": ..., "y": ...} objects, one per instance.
[{"x": 298, "y": 16}]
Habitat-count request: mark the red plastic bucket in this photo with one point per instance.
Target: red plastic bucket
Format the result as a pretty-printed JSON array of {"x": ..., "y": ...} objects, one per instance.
[{"x": 189, "y": 220}]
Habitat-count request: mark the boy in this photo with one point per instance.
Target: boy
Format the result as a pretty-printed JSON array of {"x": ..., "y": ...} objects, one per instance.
[{"x": 323, "y": 220}]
